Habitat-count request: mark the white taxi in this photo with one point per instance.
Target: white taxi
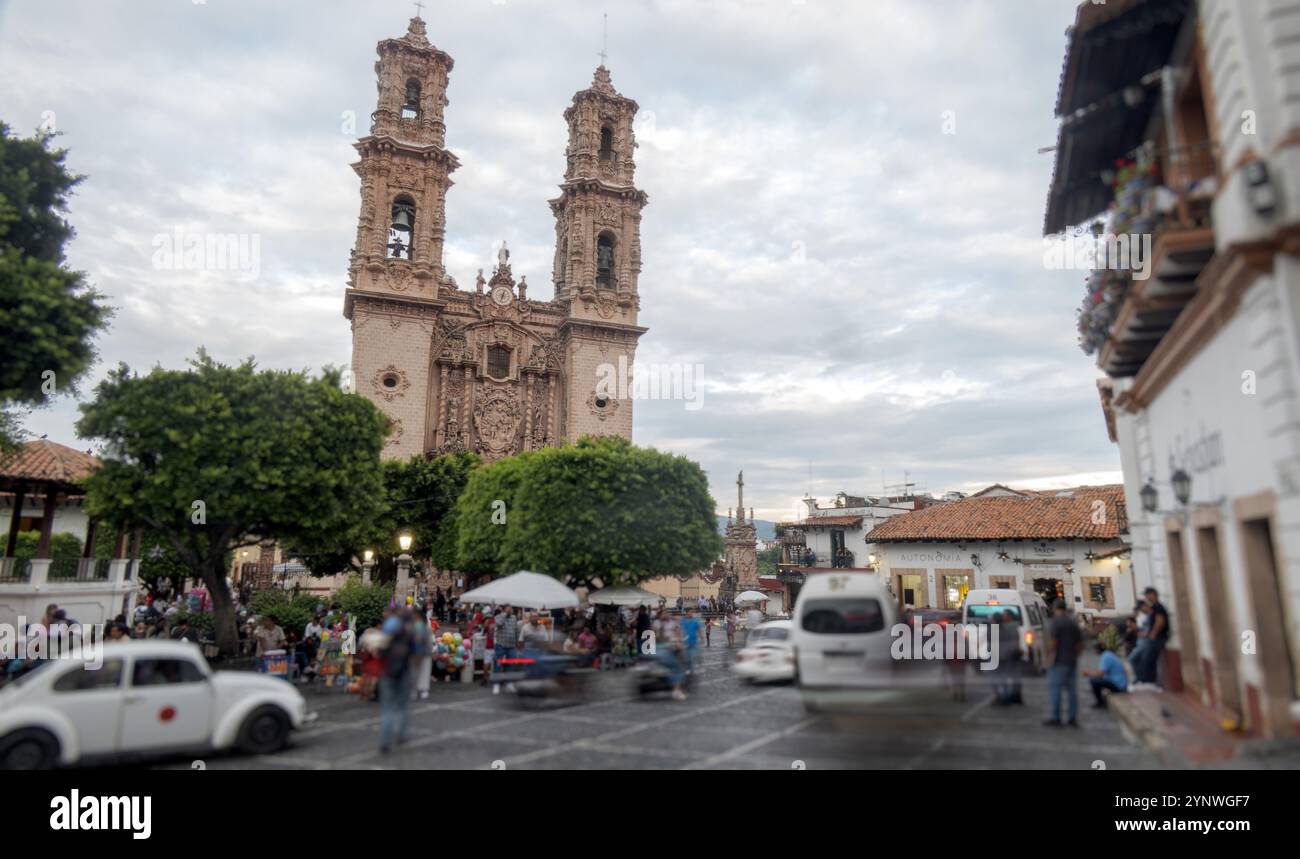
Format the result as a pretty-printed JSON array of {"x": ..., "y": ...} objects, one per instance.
[
  {"x": 144, "y": 698},
  {"x": 768, "y": 656}
]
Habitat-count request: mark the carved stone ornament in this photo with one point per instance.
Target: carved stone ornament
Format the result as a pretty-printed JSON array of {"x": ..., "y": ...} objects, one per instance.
[
  {"x": 496, "y": 420},
  {"x": 394, "y": 437},
  {"x": 399, "y": 277},
  {"x": 602, "y": 406},
  {"x": 390, "y": 383}
]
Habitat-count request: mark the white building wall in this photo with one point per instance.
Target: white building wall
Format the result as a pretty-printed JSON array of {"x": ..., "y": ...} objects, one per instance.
[
  {"x": 1056, "y": 555},
  {"x": 69, "y": 518}
]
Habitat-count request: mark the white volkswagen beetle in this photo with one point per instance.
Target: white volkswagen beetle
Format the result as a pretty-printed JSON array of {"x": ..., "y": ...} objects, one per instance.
[{"x": 147, "y": 697}]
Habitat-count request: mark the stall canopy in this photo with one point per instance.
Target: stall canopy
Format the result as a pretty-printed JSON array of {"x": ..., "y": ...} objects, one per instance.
[
  {"x": 752, "y": 596},
  {"x": 622, "y": 597},
  {"x": 524, "y": 590}
]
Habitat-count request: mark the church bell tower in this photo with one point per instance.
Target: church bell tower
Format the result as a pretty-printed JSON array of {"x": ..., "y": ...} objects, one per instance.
[{"x": 598, "y": 252}]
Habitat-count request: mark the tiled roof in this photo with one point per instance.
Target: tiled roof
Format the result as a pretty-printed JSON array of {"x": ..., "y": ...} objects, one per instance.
[
  {"x": 48, "y": 461},
  {"x": 1046, "y": 515}
]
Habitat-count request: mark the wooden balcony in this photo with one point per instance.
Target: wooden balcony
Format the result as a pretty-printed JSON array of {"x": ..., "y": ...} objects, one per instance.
[{"x": 1183, "y": 247}]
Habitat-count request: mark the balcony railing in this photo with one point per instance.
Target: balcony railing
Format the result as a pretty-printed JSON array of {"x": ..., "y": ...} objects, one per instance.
[
  {"x": 79, "y": 570},
  {"x": 1183, "y": 246},
  {"x": 15, "y": 570}
]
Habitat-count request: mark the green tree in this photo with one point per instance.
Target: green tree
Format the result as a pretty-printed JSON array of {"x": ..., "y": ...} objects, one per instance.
[
  {"x": 600, "y": 512},
  {"x": 768, "y": 560},
  {"x": 366, "y": 602},
  {"x": 290, "y": 611},
  {"x": 215, "y": 458},
  {"x": 419, "y": 497},
  {"x": 47, "y": 312},
  {"x": 483, "y": 515}
]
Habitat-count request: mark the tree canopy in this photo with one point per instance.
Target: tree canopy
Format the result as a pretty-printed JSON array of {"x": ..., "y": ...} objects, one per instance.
[
  {"x": 601, "y": 511},
  {"x": 217, "y": 457},
  {"x": 47, "y": 313},
  {"x": 418, "y": 498}
]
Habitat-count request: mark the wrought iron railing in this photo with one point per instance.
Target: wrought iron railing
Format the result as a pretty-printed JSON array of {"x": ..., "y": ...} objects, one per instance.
[{"x": 79, "y": 570}]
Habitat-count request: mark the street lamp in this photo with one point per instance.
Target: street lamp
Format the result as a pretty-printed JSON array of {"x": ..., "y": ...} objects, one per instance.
[
  {"x": 1182, "y": 482},
  {"x": 403, "y": 568},
  {"x": 1150, "y": 497}
]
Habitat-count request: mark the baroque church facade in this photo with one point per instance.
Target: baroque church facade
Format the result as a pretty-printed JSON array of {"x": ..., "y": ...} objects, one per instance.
[{"x": 489, "y": 369}]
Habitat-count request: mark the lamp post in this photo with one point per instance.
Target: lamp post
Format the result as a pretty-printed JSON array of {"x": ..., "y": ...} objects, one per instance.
[
  {"x": 367, "y": 566},
  {"x": 403, "y": 568}
]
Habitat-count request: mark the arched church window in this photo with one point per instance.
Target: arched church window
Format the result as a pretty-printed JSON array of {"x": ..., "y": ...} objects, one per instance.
[
  {"x": 605, "y": 260},
  {"x": 411, "y": 106},
  {"x": 606, "y": 144},
  {"x": 498, "y": 362},
  {"x": 401, "y": 229}
]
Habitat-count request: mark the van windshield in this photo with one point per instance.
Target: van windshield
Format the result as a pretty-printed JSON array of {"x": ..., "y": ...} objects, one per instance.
[
  {"x": 976, "y": 613},
  {"x": 843, "y": 616}
]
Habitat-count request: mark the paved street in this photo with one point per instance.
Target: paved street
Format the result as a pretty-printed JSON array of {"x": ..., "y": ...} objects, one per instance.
[{"x": 726, "y": 723}]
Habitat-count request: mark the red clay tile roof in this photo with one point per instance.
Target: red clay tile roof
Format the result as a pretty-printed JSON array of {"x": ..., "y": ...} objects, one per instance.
[
  {"x": 1046, "y": 515},
  {"x": 48, "y": 461}
]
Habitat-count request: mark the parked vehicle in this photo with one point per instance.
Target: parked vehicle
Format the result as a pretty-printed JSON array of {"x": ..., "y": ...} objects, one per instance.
[
  {"x": 145, "y": 698},
  {"x": 841, "y": 635},
  {"x": 985, "y": 605},
  {"x": 768, "y": 655},
  {"x": 923, "y": 616}
]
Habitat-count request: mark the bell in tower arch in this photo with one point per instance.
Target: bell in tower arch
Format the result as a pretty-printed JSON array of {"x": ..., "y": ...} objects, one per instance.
[{"x": 411, "y": 105}]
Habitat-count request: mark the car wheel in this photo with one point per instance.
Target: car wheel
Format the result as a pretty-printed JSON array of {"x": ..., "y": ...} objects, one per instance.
[
  {"x": 31, "y": 749},
  {"x": 264, "y": 731}
]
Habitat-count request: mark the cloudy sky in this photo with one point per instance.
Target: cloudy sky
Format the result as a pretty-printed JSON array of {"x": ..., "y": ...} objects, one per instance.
[{"x": 866, "y": 293}]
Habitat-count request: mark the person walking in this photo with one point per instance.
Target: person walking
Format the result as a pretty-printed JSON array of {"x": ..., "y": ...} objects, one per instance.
[
  {"x": 1006, "y": 677},
  {"x": 668, "y": 650},
  {"x": 708, "y": 632},
  {"x": 394, "y": 682},
  {"x": 507, "y": 634},
  {"x": 691, "y": 638},
  {"x": 1064, "y": 643},
  {"x": 731, "y": 628},
  {"x": 643, "y": 625},
  {"x": 422, "y": 653}
]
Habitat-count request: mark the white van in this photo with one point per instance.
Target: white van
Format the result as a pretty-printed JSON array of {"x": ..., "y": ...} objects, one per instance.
[
  {"x": 982, "y": 605},
  {"x": 841, "y": 632}
]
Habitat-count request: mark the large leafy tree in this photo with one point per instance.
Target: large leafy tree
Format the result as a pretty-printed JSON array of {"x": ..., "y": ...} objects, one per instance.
[
  {"x": 419, "y": 496},
  {"x": 218, "y": 457},
  {"x": 47, "y": 313},
  {"x": 483, "y": 514},
  {"x": 599, "y": 512}
]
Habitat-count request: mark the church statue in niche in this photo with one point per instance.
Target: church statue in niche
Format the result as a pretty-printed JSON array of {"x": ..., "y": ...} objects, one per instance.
[{"x": 489, "y": 370}]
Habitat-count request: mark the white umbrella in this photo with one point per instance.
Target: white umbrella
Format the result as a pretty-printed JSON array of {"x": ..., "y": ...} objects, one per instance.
[
  {"x": 622, "y": 596},
  {"x": 752, "y": 596},
  {"x": 525, "y": 590}
]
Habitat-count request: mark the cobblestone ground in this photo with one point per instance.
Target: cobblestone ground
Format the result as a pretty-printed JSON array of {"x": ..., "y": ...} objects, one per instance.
[{"x": 725, "y": 723}]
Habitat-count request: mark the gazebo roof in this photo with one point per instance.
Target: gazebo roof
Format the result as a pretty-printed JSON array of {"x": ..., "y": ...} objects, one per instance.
[{"x": 46, "y": 463}]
